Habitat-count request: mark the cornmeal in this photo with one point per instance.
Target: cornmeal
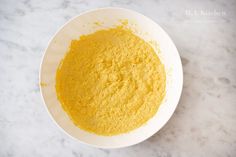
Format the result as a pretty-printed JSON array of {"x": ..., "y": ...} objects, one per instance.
[{"x": 110, "y": 82}]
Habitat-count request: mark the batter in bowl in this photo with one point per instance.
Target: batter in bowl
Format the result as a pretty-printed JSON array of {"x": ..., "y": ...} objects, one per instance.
[{"x": 110, "y": 82}]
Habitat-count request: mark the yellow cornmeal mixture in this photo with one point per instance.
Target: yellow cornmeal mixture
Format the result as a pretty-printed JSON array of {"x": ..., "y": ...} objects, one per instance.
[{"x": 110, "y": 82}]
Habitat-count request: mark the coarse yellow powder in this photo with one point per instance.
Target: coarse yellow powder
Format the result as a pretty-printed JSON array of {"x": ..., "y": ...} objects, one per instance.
[{"x": 110, "y": 82}]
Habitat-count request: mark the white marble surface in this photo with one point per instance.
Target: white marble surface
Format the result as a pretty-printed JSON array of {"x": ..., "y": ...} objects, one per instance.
[{"x": 204, "y": 123}]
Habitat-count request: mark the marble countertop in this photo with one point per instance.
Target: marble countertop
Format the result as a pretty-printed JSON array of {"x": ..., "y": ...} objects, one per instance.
[{"x": 204, "y": 123}]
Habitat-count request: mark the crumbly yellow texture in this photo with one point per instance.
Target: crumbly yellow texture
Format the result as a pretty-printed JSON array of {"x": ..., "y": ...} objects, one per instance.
[{"x": 110, "y": 82}]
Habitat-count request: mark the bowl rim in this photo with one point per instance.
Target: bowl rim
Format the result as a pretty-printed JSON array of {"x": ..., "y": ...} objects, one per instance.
[{"x": 96, "y": 145}]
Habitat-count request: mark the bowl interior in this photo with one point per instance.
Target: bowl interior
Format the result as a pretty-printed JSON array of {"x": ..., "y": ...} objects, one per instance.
[{"x": 101, "y": 19}]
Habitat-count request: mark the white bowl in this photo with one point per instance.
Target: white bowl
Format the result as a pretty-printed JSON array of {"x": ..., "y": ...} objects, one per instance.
[{"x": 86, "y": 23}]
